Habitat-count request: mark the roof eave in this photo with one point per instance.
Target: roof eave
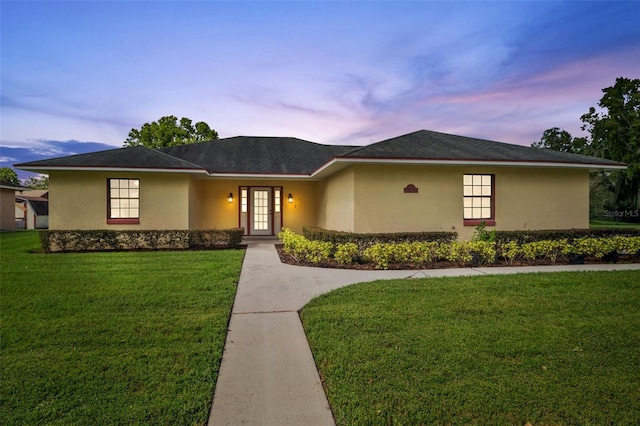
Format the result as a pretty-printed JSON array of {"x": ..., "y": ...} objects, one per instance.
[
  {"x": 46, "y": 169},
  {"x": 325, "y": 169},
  {"x": 278, "y": 176},
  {"x": 13, "y": 187}
]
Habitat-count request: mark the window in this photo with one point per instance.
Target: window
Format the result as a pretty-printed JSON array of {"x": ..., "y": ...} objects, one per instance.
[
  {"x": 277, "y": 195},
  {"x": 123, "y": 201},
  {"x": 478, "y": 191},
  {"x": 243, "y": 200}
]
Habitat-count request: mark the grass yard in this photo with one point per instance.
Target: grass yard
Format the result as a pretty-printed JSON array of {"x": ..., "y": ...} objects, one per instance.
[
  {"x": 550, "y": 349},
  {"x": 111, "y": 338},
  {"x": 594, "y": 224}
]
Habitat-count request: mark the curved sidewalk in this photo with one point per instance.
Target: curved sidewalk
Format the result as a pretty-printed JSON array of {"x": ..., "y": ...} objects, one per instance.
[{"x": 268, "y": 375}]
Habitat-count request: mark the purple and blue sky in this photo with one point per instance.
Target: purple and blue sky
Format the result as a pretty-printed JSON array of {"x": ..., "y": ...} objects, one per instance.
[{"x": 343, "y": 72}]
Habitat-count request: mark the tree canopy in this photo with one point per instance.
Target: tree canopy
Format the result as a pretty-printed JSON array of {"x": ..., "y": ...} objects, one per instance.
[
  {"x": 614, "y": 134},
  {"x": 9, "y": 176},
  {"x": 168, "y": 131},
  {"x": 561, "y": 140},
  {"x": 37, "y": 182}
]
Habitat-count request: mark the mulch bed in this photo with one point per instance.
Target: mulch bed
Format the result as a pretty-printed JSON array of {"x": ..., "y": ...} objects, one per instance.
[{"x": 290, "y": 260}]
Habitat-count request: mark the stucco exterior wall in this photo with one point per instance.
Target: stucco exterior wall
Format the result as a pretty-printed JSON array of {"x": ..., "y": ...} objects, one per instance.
[
  {"x": 542, "y": 199},
  {"x": 336, "y": 201},
  {"x": 78, "y": 200},
  {"x": 215, "y": 211},
  {"x": 526, "y": 198},
  {"x": 7, "y": 209},
  {"x": 381, "y": 205},
  {"x": 195, "y": 204},
  {"x": 360, "y": 198}
]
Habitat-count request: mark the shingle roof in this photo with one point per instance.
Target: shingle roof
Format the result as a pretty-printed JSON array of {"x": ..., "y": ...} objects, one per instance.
[
  {"x": 252, "y": 155},
  {"x": 41, "y": 208},
  {"x": 137, "y": 157},
  {"x": 10, "y": 186},
  {"x": 258, "y": 155},
  {"x": 429, "y": 145}
]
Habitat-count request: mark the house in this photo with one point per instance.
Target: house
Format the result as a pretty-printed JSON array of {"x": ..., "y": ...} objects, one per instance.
[
  {"x": 7, "y": 203},
  {"x": 32, "y": 209},
  {"x": 422, "y": 181}
]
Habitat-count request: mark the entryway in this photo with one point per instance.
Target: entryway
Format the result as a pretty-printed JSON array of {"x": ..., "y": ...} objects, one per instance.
[{"x": 261, "y": 210}]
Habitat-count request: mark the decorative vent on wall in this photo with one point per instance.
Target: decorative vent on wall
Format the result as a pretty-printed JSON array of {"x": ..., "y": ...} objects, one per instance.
[{"x": 410, "y": 189}]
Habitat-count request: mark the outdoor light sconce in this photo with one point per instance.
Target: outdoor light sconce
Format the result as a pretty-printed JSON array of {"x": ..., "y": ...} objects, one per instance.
[
  {"x": 230, "y": 198},
  {"x": 290, "y": 198}
]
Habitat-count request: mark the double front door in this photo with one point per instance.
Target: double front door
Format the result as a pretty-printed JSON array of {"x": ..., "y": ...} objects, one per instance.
[{"x": 261, "y": 209}]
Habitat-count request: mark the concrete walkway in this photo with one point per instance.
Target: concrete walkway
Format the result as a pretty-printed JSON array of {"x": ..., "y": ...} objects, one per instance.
[{"x": 268, "y": 375}]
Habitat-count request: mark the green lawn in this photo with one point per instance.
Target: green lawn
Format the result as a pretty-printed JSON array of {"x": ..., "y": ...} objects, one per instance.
[
  {"x": 547, "y": 349},
  {"x": 111, "y": 338},
  {"x": 612, "y": 224}
]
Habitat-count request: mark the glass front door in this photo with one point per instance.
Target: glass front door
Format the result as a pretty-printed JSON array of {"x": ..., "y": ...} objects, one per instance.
[
  {"x": 260, "y": 209},
  {"x": 261, "y": 212}
]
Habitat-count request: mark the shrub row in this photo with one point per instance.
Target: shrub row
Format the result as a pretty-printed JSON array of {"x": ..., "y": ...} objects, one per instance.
[
  {"x": 365, "y": 240},
  {"x": 560, "y": 234},
  {"x": 101, "y": 240},
  {"x": 424, "y": 254}
]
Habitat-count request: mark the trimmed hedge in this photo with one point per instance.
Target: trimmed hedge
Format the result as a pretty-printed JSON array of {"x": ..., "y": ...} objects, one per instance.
[
  {"x": 216, "y": 238},
  {"x": 104, "y": 240},
  {"x": 366, "y": 240},
  {"x": 424, "y": 254},
  {"x": 560, "y": 234}
]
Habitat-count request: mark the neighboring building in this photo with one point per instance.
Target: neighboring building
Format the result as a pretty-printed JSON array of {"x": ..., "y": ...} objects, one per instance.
[
  {"x": 422, "y": 181},
  {"x": 32, "y": 209},
  {"x": 7, "y": 203}
]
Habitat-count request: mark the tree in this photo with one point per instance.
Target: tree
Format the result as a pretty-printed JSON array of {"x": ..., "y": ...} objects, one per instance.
[
  {"x": 615, "y": 135},
  {"x": 37, "y": 182},
  {"x": 167, "y": 131},
  {"x": 561, "y": 140},
  {"x": 9, "y": 176}
]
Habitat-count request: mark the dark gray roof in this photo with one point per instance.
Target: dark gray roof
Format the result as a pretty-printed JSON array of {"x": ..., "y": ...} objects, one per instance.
[
  {"x": 10, "y": 186},
  {"x": 258, "y": 155},
  {"x": 429, "y": 145},
  {"x": 137, "y": 157},
  {"x": 292, "y": 156},
  {"x": 40, "y": 207}
]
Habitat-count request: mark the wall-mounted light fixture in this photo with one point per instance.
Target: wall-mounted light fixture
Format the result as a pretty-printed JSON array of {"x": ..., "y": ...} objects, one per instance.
[
  {"x": 290, "y": 198},
  {"x": 230, "y": 198}
]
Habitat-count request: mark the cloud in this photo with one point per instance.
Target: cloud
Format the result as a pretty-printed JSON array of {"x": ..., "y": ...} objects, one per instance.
[
  {"x": 16, "y": 153},
  {"x": 329, "y": 72}
]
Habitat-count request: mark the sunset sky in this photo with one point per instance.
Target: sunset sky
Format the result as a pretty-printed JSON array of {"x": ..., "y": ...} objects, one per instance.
[{"x": 343, "y": 72}]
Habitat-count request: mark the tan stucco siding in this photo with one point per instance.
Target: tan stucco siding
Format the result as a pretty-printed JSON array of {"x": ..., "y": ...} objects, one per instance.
[
  {"x": 7, "y": 209},
  {"x": 78, "y": 200},
  {"x": 381, "y": 205},
  {"x": 217, "y": 213},
  {"x": 336, "y": 202},
  {"x": 542, "y": 199},
  {"x": 195, "y": 204},
  {"x": 526, "y": 198},
  {"x": 361, "y": 198}
]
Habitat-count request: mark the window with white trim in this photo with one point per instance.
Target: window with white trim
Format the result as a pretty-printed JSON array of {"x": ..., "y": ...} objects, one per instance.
[
  {"x": 123, "y": 200},
  {"x": 478, "y": 202}
]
